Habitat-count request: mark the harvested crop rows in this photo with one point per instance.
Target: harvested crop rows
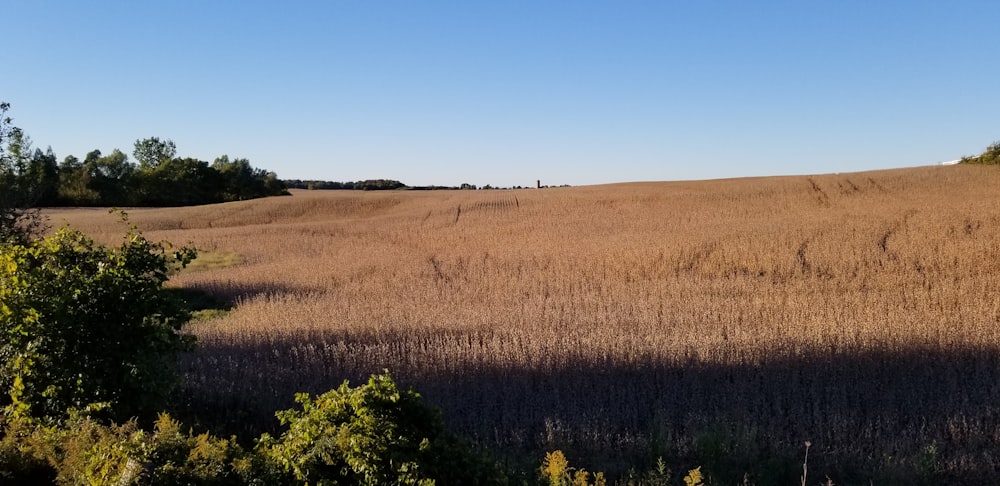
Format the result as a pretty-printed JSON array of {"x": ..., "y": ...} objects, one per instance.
[{"x": 621, "y": 322}]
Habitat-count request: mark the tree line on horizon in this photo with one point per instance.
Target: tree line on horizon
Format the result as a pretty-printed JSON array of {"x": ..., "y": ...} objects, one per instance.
[
  {"x": 159, "y": 178},
  {"x": 365, "y": 185},
  {"x": 31, "y": 177},
  {"x": 387, "y": 184}
]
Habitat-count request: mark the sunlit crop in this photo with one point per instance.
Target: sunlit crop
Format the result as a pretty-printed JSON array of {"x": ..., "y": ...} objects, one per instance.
[{"x": 857, "y": 311}]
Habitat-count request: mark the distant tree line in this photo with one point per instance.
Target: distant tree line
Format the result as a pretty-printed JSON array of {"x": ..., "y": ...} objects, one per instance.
[
  {"x": 160, "y": 178},
  {"x": 366, "y": 185},
  {"x": 383, "y": 184},
  {"x": 30, "y": 177}
]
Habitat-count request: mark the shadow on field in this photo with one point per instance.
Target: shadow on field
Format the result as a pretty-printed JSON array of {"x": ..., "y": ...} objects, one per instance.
[
  {"x": 197, "y": 301},
  {"x": 230, "y": 292},
  {"x": 920, "y": 414}
]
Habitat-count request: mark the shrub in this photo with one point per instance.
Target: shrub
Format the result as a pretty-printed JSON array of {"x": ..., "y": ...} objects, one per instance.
[
  {"x": 82, "y": 324},
  {"x": 556, "y": 472},
  {"x": 22, "y": 456},
  {"x": 81, "y": 450},
  {"x": 374, "y": 434}
]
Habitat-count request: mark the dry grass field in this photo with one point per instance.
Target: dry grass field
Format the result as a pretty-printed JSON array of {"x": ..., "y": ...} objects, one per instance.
[{"x": 726, "y": 320}]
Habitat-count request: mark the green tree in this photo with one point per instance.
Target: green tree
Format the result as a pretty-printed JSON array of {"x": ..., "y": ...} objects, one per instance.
[
  {"x": 74, "y": 184},
  {"x": 273, "y": 186},
  {"x": 241, "y": 181},
  {"x": 179, "y": 182},
  {"x": 151, "y": 152},
  {"x": 346, "y": 435},
  {"x": 83, "y": 324},
  {"x": 110, "y": 177},
  {"x": 17, "y": 220},
  {"x": 378, "y": 185},
  {"x": 19, "y": 149},
  {"x": 42, "y": 177}
]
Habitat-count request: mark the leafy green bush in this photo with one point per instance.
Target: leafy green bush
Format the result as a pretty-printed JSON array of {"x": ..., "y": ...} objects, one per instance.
[
  {"x": 83, "y": 451},
  {"x": 178, "y": 458},
  {"x": 83, "y": 326},
  {"x": 374, "y": 434}
]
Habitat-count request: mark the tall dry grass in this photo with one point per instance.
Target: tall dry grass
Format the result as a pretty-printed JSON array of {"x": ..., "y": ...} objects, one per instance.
[{"x": 729, "y": 317}]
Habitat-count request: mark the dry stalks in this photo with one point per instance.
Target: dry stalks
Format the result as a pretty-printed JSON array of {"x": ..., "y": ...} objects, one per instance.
[{"x": 858, "y": 311}]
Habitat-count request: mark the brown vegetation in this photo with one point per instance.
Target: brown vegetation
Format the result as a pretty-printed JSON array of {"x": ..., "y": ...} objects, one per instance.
[{"x": 731, "y": 318}]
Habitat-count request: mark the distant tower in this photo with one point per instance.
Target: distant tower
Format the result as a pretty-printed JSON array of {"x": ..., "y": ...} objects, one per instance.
[{"x": 538, "y": 183}]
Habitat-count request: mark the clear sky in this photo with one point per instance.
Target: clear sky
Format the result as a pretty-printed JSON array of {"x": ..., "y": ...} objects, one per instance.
[{"x": 507, "y": 92}]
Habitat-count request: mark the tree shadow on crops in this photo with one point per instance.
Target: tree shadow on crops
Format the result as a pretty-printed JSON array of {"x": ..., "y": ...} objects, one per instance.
[
  {"x": 197, "y": 301},
  {"x": 931, "y": 412},
  {"x": 229, "y": 293}
]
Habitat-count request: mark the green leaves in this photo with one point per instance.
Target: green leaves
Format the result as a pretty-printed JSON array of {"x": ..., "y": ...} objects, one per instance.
[
  {"x": 151, "y": 152},
  {"x": 81, "y": 324},
  {"x": 991, "y": 156},
  {"x": 371, "y": 435},
  {"x": 374, "y": 434}
]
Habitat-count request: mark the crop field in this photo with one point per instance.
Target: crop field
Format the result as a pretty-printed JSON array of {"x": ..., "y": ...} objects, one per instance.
[{"x": 726, "y": 320}]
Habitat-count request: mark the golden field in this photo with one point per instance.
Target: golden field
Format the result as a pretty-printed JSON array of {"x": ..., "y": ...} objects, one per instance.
[{"x": 727, "y": 320}]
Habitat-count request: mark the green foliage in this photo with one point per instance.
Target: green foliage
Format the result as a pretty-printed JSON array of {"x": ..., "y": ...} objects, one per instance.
[
  {"x": 371, "y": 435},
  {"x": 151, "y": 152},
  {"x": 179, "y": 182},
  {"x": 165, "y": 180},
  {"x": 23, "y": 457},
  {"x": 17, "y": 223},
  {"x": 184, "y": 458},
  {"x": 365, "y": 185},
  {"x": 74, "y": 183},
  {"x": 374, "y": 434},
  {"x": 84, "y": 451},
  {"x": 110, "y": 178},
  {"x": 659, "y": 475},
  {"x": 42, "y": 177},
  {"x": 239, "y": 180},
  {"x": 29, "y": 179},
  {"x": 82, "y": 324},
  {"x": 991, "y": 156}
]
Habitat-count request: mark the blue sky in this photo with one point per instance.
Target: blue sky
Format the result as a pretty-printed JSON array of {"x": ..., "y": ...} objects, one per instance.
[{"x": 507, "y": 92}]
